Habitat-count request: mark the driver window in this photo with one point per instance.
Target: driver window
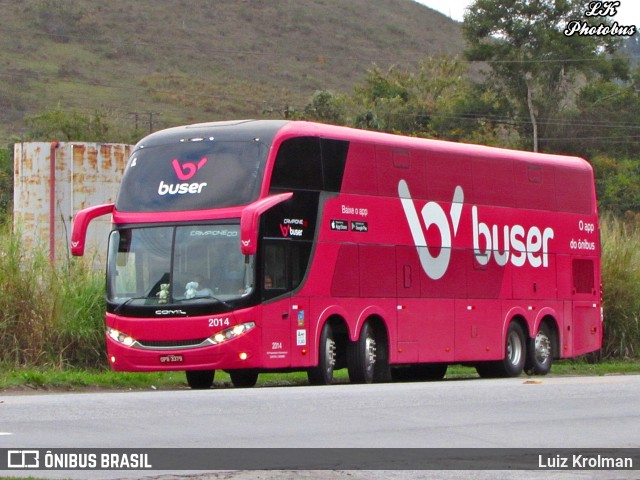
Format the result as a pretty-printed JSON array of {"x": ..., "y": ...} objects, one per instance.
[
  {"x": 283, "y": 266},
  {"x": 275, "y": 261}
]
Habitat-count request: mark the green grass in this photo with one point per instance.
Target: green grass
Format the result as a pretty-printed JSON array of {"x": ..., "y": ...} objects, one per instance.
[
  {"x": 29, "y": 379},
  {"x": 25, "y": 379}
]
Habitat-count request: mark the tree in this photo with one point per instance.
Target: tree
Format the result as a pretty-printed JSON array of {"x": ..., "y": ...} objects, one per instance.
[
  {"x": 605, "y": 120},
  {"x": 533, "y": 54},
  {"x": 618, "y": 184},
  {"x": 326, "y": 107},
  {"x": 387, "y": 101},
  {"x": 436, "y": 99},
  {"x": 459, "y": 109}
]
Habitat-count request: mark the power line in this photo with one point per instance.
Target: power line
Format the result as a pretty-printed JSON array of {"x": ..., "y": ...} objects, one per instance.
[{"x": 467, "y": 116}]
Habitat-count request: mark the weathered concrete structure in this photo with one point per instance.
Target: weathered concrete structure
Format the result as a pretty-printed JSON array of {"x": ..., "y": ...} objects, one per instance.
[{"x": 52, "y": 181}]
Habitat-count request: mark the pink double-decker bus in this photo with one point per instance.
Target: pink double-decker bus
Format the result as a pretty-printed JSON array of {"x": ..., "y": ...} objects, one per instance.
[{"x": 269, "y": 246}]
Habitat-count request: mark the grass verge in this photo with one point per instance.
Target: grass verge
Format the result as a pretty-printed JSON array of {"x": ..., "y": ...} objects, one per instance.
[{"x": 27, "y": 380}]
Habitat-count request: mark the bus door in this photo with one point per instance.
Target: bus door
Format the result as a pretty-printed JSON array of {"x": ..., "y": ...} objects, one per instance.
[
  {"x": 285, "y": 318},
  {"x": 276, "y": 333},
  {"x": 285, "y": 333},
  {"x": 276, "y": 310}
]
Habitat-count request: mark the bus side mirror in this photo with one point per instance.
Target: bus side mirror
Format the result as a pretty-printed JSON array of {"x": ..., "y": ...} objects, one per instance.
[
  {"x": 81, "y": 224},
  {"x": 250, "y": 219}
]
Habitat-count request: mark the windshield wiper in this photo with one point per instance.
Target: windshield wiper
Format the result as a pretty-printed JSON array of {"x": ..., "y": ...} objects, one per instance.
[
  {"x": 204, "y": 297},
  {"x": 128, "y": 301},
  {"x": 171, "y": 302}
]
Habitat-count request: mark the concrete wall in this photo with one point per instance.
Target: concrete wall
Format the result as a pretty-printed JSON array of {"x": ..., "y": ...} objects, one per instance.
[{"x": 52, "y": 181}]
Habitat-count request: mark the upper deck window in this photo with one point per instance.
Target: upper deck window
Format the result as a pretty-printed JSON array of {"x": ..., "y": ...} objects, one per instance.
[
  {"x": 309, "y": 163},
  {"x": 192, "y": 175}
]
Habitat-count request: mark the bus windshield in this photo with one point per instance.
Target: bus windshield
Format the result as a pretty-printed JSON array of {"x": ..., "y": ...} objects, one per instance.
[{"x": 176, "y": 264}]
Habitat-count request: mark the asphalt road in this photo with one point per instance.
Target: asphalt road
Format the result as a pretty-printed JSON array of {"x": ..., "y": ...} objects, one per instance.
[{"x": 545, "y": 412}]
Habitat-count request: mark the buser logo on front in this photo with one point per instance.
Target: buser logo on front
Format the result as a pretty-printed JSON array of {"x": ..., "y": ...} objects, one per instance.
[
  {"x": 184, "y": 172},
  {"x": 517, "y": 244}
]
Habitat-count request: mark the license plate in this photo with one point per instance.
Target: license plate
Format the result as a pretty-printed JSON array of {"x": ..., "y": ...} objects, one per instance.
[{"x": 171, "y": 358}]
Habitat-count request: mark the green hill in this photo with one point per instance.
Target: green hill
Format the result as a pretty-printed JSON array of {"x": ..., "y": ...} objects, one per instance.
[{"x": 179, "y": 61}]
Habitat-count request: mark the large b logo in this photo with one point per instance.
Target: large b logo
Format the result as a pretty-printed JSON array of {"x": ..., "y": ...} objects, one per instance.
[
  {"x": 187, "y": 170},
  {"x": 432, "y": 215}
]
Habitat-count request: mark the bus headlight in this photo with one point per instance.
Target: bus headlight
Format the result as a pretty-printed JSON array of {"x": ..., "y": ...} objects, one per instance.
[
  {"x": 231, "y": 332},
  {"x": 120, "y": 337}
]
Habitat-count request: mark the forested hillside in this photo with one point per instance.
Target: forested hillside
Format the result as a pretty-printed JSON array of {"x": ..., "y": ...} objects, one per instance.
[{"x": 167, "y": 62}]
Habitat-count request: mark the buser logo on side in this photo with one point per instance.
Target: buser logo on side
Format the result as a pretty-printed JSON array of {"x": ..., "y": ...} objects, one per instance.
[{"x": 518, "y": 244}]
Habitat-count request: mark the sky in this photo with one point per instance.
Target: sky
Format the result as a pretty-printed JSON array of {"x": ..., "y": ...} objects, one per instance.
[{"x": 628, "y": 12}]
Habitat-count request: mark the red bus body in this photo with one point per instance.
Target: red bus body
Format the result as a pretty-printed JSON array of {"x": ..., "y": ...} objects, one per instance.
[{"x": 409, "y": 254}]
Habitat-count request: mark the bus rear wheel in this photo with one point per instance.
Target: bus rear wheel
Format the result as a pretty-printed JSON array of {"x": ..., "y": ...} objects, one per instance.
[
  {"x": 540, "y": 353},
  {"x": 243, "y": 378},
  {"x": 514, "y": 358},
  {"x": 323, "y": 373},
  {"x": 368, "y": 357},
  {"x": 200, "y": 379},
  {"x": 361, "y": 356}
]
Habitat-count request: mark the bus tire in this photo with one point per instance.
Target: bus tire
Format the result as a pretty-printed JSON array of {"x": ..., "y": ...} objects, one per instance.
[
  {"x": 200, "y": 379},
  {"x": 515, "y": 353},
  {"x": 540, "y": 352},
  {"x": 243, "y": 378},
  {"x": 361, "y": 356},
  {"x": 323, "y": 373}
]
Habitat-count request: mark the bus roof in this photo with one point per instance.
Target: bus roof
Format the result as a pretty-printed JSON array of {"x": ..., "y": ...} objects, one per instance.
[
  {"x": 267, "y": 130},
  {"x": 295, "y": 128}
]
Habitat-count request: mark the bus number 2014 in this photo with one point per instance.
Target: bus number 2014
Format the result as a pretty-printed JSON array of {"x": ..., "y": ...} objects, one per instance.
[{"x": 219, "y": 322}]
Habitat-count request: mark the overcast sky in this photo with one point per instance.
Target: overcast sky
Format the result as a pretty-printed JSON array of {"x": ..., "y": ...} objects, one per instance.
[{"x": 628, "y": 12}]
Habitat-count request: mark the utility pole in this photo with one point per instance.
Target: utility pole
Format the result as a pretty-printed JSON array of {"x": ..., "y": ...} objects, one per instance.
[
  {"x": 136, "y": 116},
  {"x": 151, "y": 114}
]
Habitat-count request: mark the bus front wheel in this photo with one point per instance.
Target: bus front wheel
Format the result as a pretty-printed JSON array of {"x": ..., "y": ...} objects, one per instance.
[
  {"x": 200, "y": 379},
  {"x": 243, "y": 378}
]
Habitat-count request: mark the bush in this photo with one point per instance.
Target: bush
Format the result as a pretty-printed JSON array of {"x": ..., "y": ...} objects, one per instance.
[
  {"x": 52, "y": 316},
  {"x": 621, "y": 286}
]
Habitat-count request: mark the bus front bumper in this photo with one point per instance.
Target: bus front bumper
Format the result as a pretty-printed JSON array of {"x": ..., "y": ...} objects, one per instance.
[{"x": 236, "y": 353}]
